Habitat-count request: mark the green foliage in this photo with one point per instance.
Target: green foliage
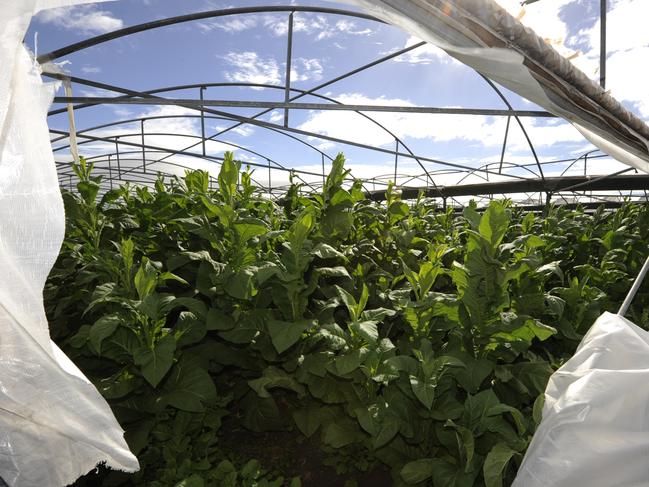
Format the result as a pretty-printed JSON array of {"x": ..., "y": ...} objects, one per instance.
[{"x": 393, "y": 335}]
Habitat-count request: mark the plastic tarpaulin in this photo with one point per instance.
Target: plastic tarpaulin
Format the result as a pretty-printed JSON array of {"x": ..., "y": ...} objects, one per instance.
[
  {"x": 484, "y": 36},
  {"x": 54, "y": 424},
  {"x": 595, "y": 427}
]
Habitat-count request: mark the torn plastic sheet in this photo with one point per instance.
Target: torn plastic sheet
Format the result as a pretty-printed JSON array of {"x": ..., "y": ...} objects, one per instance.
[
  {"x": 54, "y": 424},
  {"x": 484, "y": 36},
  {"x": 595, "y": 426}
]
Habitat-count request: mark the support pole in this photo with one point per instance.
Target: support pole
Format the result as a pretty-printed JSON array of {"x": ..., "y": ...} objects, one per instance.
[
  {"x": 119, "y": 168},
  {"x": 634, "y": 289},
  {"x": 143, "y": 153},
  {"x": 202, "y": 88},
  {"x": 502, "y": 153},
  {"x": 602, "y": 43},
  {"x": 396, "y": 161},
  {"x": 289, "y": 55}
]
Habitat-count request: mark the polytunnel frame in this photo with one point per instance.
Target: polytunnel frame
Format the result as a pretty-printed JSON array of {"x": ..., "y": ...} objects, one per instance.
[{"x": 541, "y": 184}]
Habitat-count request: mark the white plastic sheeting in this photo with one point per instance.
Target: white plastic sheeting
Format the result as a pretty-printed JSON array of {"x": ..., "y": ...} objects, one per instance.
[
  {"x": 485, "y": 37},
  {"x": 595, "y": 427},
  {"x": 54, "y": 424}
]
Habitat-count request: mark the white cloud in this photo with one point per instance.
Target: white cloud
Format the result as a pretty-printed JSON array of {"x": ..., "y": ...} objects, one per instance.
[
  {"x": 303, "y": 69},
  {"x": 318, "y": 26},
  {"x": 252, "y": 68},
  {"x": 627, "y": 43},
  {"x": 275, "y": 116},
  {"x": 85, "y": 19},
  {"x": 480, "y": 130},
  {"x": 426, "y": 54},
  {"x": 244, "y": 130},
  {"x": 231, "y": 25},
  {"x": 91, "y": 69}
]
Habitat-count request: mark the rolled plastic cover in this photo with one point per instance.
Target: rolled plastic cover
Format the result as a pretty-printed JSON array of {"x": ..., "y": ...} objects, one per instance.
[
  {"x": 54, "y": 424},
  {"x": 482, "y": 35},
  {"x": 595, "y": 426}
]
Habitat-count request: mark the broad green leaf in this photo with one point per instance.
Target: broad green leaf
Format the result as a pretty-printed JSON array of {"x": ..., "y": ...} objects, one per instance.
[
  {"x": 466, "y": 442},
  {"x": 338, "y": 271},
  {"x": 516, "y": 415},
  {"x": 309, "y": 419},
  {"x": 216, "y": 319},
  {"x": 446, "y": 474},
  {"x": 475, "y": 372},
  {"x": 348, "y": 362},
  {"x": 284, "y": 334},
  {"x": 349, "y": 301},
  {"x": 337, "y": 436},
  {"x": 156, "y": 306},
  {"x": 537, "y": 410},
  {"x": 228, "y": 177},
  {"x": 146, "y": 279},
  {"x": 155, "y": 363},
  {"x": 194, "y": 305},
  {"x": 494, "y": 223},
  {"x": 247, "y": 231},
  {"x": 362, "y": 302},
  {"x": 272, "y": 378},
  {"x": 476, "y": 409},
  {"x": 189, "y": 387},
  {"x": 193, "y": 480},
  {"x": 424, "y": 390},
  {"x": 418, "y": 470},
  {"x": 242, "y": 284},
  {"x": 388, "y": 429},
  {"x": 189, "y": 329},
  {"x": 366, "y": 330},
  {"x": 103, "y": 328},
  {"x": 325, "y": 251},
  {"x": 495, "y": 463}
]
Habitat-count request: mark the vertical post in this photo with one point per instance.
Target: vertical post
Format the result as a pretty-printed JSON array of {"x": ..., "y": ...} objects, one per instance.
[
  {"x": 396, "y": 161},
  {"x": 110, "y": 172},
  {"x": 585, "y": 163},
  {"x": 602, "y": 43},
  {"x": 143, "y": 153},
  {"x": 202, "y": 88},
  {"x": 119, "y": 168},
  {"x": 323, "y": 171},
  {"x": 289, "y": 54},
  {"x": 269, "y": 180},
  {"x": 502, "y": 153}
]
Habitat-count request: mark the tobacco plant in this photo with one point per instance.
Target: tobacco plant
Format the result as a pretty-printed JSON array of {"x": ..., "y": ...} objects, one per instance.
[{"x": 396, "y": 336}]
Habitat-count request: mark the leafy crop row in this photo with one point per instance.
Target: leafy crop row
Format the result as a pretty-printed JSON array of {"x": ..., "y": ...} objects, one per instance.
[{"x": 394, "y": 335}]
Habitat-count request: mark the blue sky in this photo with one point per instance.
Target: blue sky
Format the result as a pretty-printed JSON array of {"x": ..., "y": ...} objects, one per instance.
[{"x": 251, "y": 48}]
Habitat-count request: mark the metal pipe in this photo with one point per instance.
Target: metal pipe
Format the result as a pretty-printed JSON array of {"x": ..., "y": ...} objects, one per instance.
[
  {"x": 271, "y": 105},
  {"x": 143, "y": 153},
  {"x": 634, "y": 289},
  {"x": 602, "y": 43},
  {"x": 201, "y": 89},
  {"x": 289, "y": 55}
]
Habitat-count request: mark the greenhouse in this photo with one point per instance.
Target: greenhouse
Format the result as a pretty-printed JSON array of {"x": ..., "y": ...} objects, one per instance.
[{"x": 360, "y": 244}]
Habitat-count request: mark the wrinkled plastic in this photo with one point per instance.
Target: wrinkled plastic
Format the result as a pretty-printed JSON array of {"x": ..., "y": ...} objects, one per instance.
[
  {"x": 54, "y": 424},
  {"x": 482, "y": 35},
  {"x": 595, "y": 426}
]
